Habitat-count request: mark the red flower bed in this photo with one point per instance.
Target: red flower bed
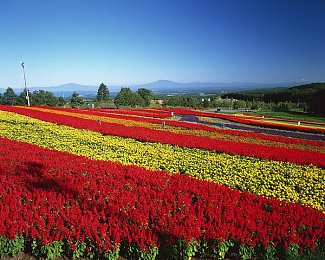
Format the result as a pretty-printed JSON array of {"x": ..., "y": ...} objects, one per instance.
[
  {"x": 152, "y": 135},
  {"x": 249, "y": 121},
  {"x": 139, "y": 112},
  {"x": 50, "y": 196}
]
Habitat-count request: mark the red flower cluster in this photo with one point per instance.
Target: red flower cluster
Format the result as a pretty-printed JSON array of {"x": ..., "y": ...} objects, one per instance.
[
  {"x": 50, "y": 196},
  {"x": 151, "y": 135}
]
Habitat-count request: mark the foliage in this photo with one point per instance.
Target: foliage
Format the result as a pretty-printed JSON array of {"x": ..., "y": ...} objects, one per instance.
[
  {"x": 317, "y": 102},
  {"x": 136, "y": 252},
  {"x": 10, "y": 247},
  {"x": 102, "y": 93},
  {"x": 76, "y": 100},
  {"x": 302, "y": 94},
  {"x": 22, "y": 98},
  {"x": 182, "y": 101},
  {"x": 221, "y": 248},
  {"x": 126, "y": 98},
  {"x": 37, "y": 98},
  {"x": 9, "y": 97},
  {"x": 52, "y": 250},
  {"x": 181, "y": 249},
  {"x": 246, "y": 251},
  {"x": 43, "y": 98},
  {"x": 147, "y": 95}
]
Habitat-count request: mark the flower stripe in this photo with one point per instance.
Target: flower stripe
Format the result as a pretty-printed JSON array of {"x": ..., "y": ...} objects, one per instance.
[{"x": 287, "y": 181}]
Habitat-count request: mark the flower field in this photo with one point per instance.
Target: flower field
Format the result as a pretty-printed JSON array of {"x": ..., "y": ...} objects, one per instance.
[
  {"x": 259, "y": 121},
  {"x": 99, "y": 184}
]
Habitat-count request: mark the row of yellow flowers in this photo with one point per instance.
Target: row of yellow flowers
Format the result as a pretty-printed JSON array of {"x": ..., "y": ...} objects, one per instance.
[
  {"x": 283, "y": 180},
  {"x": 182, "y": 130}
]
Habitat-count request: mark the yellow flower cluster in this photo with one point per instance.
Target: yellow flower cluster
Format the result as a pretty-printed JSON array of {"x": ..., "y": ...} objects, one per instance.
[{"x": 283, "y": 180}]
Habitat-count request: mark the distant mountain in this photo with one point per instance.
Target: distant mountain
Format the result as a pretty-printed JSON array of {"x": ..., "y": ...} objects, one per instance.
[
  {"x": 70, "y": 87},
  {"x": 67, "y": 87},
  {"x": 162, "y": 87},
  {"x": 167, "y": 86}
]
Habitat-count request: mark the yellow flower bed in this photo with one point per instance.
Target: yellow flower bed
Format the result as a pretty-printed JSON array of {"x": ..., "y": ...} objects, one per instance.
[{"x": 283, "y": 180}]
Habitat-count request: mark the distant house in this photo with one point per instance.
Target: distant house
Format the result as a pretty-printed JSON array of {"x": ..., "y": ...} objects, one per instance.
[{"x": 157, "y": 102}]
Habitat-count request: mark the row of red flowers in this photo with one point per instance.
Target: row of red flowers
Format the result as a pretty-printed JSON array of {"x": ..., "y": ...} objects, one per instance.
[
  {"x": 155, "y": 113},
  {"x": 128, "y": 115},
  {"x": 185, "y": 140},
  {"x": 250, "y": 121},
  {"x": 50, "y": 196}
]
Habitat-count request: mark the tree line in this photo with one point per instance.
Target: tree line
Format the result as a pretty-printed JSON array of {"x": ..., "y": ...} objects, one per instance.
[
  {"x": 309, "y": 96},
  {"x": 37, "y": 97},
  {"x": 125, "y": 98}
]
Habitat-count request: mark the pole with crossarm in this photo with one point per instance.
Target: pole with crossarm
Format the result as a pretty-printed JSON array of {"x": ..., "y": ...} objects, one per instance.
[{"x": 27, "y": 96}]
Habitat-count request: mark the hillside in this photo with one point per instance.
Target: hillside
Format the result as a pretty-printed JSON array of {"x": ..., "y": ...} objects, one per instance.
[{"x": 301, "y": 93}]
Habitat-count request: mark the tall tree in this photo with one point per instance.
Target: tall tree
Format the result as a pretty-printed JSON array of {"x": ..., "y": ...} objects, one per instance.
[
  {"x": 102, "y": 93},
  {"x": 124, "y": 97},
  {"x": 9, "y": 97},
  {"x": 137, "y": 100},
  {"x": 146, "y": 94},
  {"x": 44, "y": 98},
  {"x": 76, "y": 100}
]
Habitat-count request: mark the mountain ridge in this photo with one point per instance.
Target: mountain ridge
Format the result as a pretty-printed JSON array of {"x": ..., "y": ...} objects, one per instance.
[{"x": 162, "y": 86}]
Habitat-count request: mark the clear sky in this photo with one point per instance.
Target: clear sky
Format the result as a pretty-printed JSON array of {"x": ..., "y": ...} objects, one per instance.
[{"x": 136, "y": 41}]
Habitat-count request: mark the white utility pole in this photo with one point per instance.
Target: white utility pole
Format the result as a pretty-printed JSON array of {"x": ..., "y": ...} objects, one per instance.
[{"x": 27, "y": 96}]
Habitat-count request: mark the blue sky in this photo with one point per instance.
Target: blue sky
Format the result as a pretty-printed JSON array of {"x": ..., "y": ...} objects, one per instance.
[{"x": 132, "y": 42}]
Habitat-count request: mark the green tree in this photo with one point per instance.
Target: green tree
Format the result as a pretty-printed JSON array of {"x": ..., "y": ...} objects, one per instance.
[
  {"x": 9, "y": 97},
  {"x": 137, "y": 100},
  {"x": 284, "y": 106},
  {"x": 146, "y": 94},
  {"x": 174, "y": 101},
  {"x": 124, "y": 97},
  {"x": 61, "y": 102},
  {"x": 317, "y": 102},
  {"x": 44, "y": 98},
  {"x": 182, "y": 101},
  {"x": 76, "y": 100},
  {"x": 22, "y": 99},
  {"x": 102, "y": 93}
]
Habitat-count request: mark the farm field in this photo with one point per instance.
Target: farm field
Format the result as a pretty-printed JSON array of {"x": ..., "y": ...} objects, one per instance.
[{"x": 104, "y": 183}]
